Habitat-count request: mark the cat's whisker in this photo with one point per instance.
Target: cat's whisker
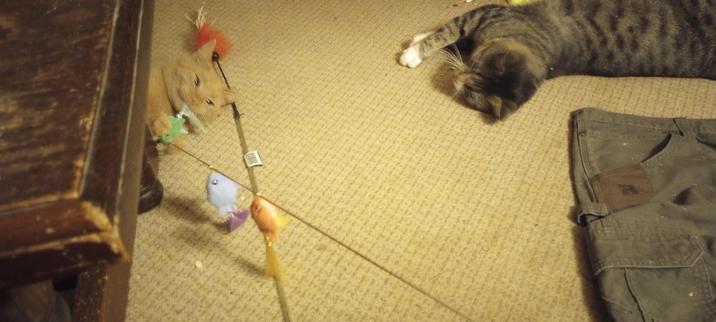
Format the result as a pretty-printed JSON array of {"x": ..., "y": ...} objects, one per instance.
[
  {"x": 445, "y": 54},
  {"x": 449, "y": 57},
  {"x": 456, "y": 53},
  {"x": 455, "y": 61}
]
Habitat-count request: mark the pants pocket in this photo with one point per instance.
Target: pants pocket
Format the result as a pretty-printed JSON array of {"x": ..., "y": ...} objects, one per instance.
[
  {"x": 650, "y": 273},
  {"x": 707, "y": 138},
  {"x": 620, "y": 163},
  {"x": 611, "y": 150}
]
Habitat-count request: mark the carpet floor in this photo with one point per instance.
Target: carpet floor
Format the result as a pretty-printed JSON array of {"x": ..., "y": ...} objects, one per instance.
[{"x": 418, "y": 208}]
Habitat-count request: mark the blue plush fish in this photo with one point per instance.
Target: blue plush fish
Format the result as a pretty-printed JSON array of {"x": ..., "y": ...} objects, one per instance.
[{"x": 222, "y": 192}]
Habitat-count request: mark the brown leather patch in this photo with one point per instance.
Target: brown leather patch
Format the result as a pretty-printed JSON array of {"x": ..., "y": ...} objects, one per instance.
[{"x": 623, "y": 187}]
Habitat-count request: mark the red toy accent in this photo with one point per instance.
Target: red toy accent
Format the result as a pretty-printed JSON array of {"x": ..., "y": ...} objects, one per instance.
[{"x": 206, "y": 33}]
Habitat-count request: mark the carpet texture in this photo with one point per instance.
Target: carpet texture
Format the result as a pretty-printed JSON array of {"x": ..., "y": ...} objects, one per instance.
[{"x": 446, "y": 216}]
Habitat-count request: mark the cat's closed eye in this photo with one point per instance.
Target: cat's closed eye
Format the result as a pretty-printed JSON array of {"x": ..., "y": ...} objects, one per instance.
[
  {"x": 197, "y": 81},
  {"x": 209, "y": 101}
]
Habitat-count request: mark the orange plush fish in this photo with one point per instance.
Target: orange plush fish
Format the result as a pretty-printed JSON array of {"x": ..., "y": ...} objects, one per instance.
[{"x": 270, "y": 222}]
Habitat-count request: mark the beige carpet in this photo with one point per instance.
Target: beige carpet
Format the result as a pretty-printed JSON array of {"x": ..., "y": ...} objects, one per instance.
[{"x": 460, "y": 219}]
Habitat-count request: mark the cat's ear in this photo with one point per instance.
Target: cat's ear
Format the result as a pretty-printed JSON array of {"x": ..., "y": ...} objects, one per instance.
[
  {"x": 499, "y": 107},
  {"x": 494, "y": 105},
  {"x": 503, "y": 62},
  {"x": 206, "y": 51},
  {"x": 513, "y": 68},
  {"x": 230, "y": 96}
]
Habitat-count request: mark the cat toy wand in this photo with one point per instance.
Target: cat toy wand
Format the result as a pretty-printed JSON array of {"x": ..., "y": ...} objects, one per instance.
[
  {"x": 262, "y": 210},
  {"x": 279, "y": 287}
]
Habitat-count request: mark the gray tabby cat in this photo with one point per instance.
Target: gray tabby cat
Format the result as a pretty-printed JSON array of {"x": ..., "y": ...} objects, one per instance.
[{"x": 517, "y": 47}]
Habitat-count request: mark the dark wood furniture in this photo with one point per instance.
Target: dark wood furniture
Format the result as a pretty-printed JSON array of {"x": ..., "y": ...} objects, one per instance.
[{"x": 73, "y": 75}]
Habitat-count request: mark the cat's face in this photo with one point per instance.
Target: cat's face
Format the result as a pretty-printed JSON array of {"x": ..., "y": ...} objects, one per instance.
[
  {"x": 498, "y": 80},
  {"x": 199, "y": 85},
  {"x": 480, "y": 92}
]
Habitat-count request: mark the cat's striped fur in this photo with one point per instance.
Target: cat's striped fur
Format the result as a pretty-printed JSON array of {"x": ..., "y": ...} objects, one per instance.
[{"x": 517, "y": 47}]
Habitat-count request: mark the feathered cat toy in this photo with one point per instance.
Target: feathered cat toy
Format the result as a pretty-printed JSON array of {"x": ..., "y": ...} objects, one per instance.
[
  {"x": 206, "y": 32},
  {"x": 171, "y": 91}
]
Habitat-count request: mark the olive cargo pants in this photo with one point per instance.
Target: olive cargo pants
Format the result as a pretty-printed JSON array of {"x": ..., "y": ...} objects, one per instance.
[{"x": 646, "y": 189}]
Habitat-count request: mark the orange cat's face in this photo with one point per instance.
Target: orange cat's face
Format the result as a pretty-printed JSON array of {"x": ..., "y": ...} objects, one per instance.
[{"x": 197, "y": 84}]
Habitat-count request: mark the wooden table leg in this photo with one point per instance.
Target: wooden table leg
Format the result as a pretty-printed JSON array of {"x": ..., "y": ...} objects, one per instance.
[{"x": 151, "y": 191}]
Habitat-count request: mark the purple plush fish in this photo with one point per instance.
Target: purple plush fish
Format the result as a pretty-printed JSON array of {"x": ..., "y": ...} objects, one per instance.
[{"x": 222, "y": 193}]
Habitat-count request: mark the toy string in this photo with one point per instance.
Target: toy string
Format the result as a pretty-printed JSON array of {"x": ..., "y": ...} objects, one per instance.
[
  {"x": 239, "y": 128},
  {"x": 279, "y": 287},
  {"x": 252, "y": 188}
]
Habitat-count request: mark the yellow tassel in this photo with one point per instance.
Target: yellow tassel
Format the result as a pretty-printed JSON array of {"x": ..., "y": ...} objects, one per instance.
[
  {"x": 520, "y": 2},
  {"x": 282, "y": 221},
  {"x": 273, "y": 267}
]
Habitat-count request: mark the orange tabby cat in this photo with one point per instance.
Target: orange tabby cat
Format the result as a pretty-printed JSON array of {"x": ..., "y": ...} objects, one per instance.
[{"x": 191, "y": 80}]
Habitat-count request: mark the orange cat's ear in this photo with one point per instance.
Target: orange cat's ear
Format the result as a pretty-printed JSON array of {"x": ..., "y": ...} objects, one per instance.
[
  {"x": 205, "y": 52},
  {"x": 230, "y": 96}
]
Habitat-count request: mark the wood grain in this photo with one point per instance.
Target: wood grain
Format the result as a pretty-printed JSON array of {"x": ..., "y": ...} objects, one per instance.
[
  {"x": 71, "y": 134},
  {"x": 52, "y": 65}
]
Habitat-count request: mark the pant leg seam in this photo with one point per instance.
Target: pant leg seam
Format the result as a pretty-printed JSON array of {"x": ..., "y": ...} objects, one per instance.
[
  {"x": 710, "y": 301},
  {"x": 632, "y": 290},
  {"x": 584, "y": 157}
]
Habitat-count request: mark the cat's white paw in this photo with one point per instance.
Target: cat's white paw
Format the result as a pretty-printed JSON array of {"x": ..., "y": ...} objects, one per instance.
[
  {"x": 417, "y": 38},
  {"x": 411, "y": 57}
]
